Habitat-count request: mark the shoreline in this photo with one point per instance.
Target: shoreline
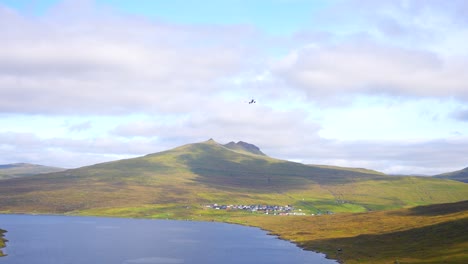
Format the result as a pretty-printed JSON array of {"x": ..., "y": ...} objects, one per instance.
[
  {"x": 267, "y": 231},
  {"x": 353, "y": 237}
]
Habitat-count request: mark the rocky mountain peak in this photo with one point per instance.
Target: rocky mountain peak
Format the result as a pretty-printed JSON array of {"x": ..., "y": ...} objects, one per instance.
[{"x": 244, "y": 146}]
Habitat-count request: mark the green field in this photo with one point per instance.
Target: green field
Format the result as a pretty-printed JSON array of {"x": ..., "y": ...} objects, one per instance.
[{"x": 178, "y": 183}]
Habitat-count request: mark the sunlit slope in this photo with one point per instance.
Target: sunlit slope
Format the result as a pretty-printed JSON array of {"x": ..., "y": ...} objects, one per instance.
[{"x": 178, "y": 182}]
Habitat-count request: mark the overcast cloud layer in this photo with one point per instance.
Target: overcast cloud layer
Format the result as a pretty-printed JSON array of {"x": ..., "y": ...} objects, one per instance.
[{"x": 171, "y": 83}]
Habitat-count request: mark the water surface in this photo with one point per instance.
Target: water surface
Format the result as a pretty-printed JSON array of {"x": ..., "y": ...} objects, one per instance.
[{"x": 78, "y": 240}]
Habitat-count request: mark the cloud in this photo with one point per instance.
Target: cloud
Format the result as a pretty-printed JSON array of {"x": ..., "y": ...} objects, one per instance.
[
  {"x": 190, "y": 82},
  {"x": 94, "y": 61},
  {"x": 427, "y": 157},
  {"x": 394, "y": 48},
  {"x": 67, "y": 152},
  {"x": 461, "y": 115},
  {"x": 88, "y": 58},
  {"x": 227, "y": 122},
  {"x": 354, "y": 67},
  {"x": 79, "y": 126},
  {"x": 364, "y": 67}
]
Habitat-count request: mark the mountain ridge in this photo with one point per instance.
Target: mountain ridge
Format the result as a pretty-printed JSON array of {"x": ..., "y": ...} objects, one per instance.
[
  {"x": 166, "y": 183},
  {"x": 15, "y": 170},
  {"x": 460, "y": 175},
  {"x": 244, "y": 147}
]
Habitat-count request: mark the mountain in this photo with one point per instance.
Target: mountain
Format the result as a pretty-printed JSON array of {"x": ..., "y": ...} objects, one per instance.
[
  {"x": 178, "y": 183},
  {"x": 461, "y": 175},
  {"x": 15, "y": 170},
  {"x": 244, "y": 147},
  {"x": 363, "y": 170}
]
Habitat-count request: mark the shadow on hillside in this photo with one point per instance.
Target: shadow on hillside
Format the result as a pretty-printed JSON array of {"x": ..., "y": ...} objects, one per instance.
[
  {"x": 257, "y": 173},
  {"x": 24, "y": 185},
  {"x": 437, "y": 209},
  {"x": 429, "y": 244}
]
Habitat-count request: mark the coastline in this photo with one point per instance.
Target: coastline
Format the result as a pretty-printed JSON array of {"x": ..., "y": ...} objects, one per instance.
[
  {"x": 342, "y": 238},
  {"x": 266, "y": 232}
]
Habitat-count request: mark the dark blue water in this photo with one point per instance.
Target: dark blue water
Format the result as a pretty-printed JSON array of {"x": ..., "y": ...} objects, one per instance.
[{"x": 80, "y": 240}]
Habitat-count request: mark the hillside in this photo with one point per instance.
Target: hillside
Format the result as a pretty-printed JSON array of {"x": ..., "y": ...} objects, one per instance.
[
  {"x": 461, "y": 175},
  {"x": 177, "y": 183},
  {"x": 8, "y": 171},
  {"x": 424, "y": 234},
  {"x": 362, "y": 170}
]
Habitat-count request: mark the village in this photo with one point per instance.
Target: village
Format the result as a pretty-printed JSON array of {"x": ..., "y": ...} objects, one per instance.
[{"x": 256, "y": 208}]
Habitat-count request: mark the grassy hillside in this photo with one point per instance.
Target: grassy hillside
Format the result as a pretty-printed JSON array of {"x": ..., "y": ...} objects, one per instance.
[
  {"x": 8, "y": 171},
  {"x": 425, "y": 234},
  {"x": 178, "y": 182},
  {"x": 461, "y": 175}
]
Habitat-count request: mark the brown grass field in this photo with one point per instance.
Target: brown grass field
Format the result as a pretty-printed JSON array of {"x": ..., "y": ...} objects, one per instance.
[{"x": 425, "y": 234}]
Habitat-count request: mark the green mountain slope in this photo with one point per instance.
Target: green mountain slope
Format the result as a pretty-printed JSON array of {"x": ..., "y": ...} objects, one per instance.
[
  {"x": 178, "y": 183},
  {"x": 15, "y": 170},
  {"x": 461, "y": 175}
]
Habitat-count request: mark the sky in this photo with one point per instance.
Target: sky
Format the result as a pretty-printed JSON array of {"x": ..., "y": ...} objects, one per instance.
[{"x": 376, "y": 84}]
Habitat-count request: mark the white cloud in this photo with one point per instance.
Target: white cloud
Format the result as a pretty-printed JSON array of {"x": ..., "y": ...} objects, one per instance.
[
  {"x": 395, "y": 48},
  {"x": 225, "y": 122},
  {"x": 395, "y": 157},
  {"x": 79, "y": 126},
  {"x": 95, "y": 62},
  {"x": 461, "y": 114},
  {"x": 370, "y": 68},
  {"x": 66, "y": 152}
]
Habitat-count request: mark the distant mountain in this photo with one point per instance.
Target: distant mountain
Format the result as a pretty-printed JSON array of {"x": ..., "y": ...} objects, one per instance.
[
  {"x": 177, "y": 183},
  {"x": 461, "y": 175},
  {"x": 362, "y": 170},
  {"x": 8, "y": 171}
]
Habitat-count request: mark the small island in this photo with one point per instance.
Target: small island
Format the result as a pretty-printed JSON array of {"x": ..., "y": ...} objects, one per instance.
[{"x": 2, "y": 241}]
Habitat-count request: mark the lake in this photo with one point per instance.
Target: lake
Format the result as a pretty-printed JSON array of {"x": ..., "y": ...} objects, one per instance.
[{"x": 41, "y": 239}]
